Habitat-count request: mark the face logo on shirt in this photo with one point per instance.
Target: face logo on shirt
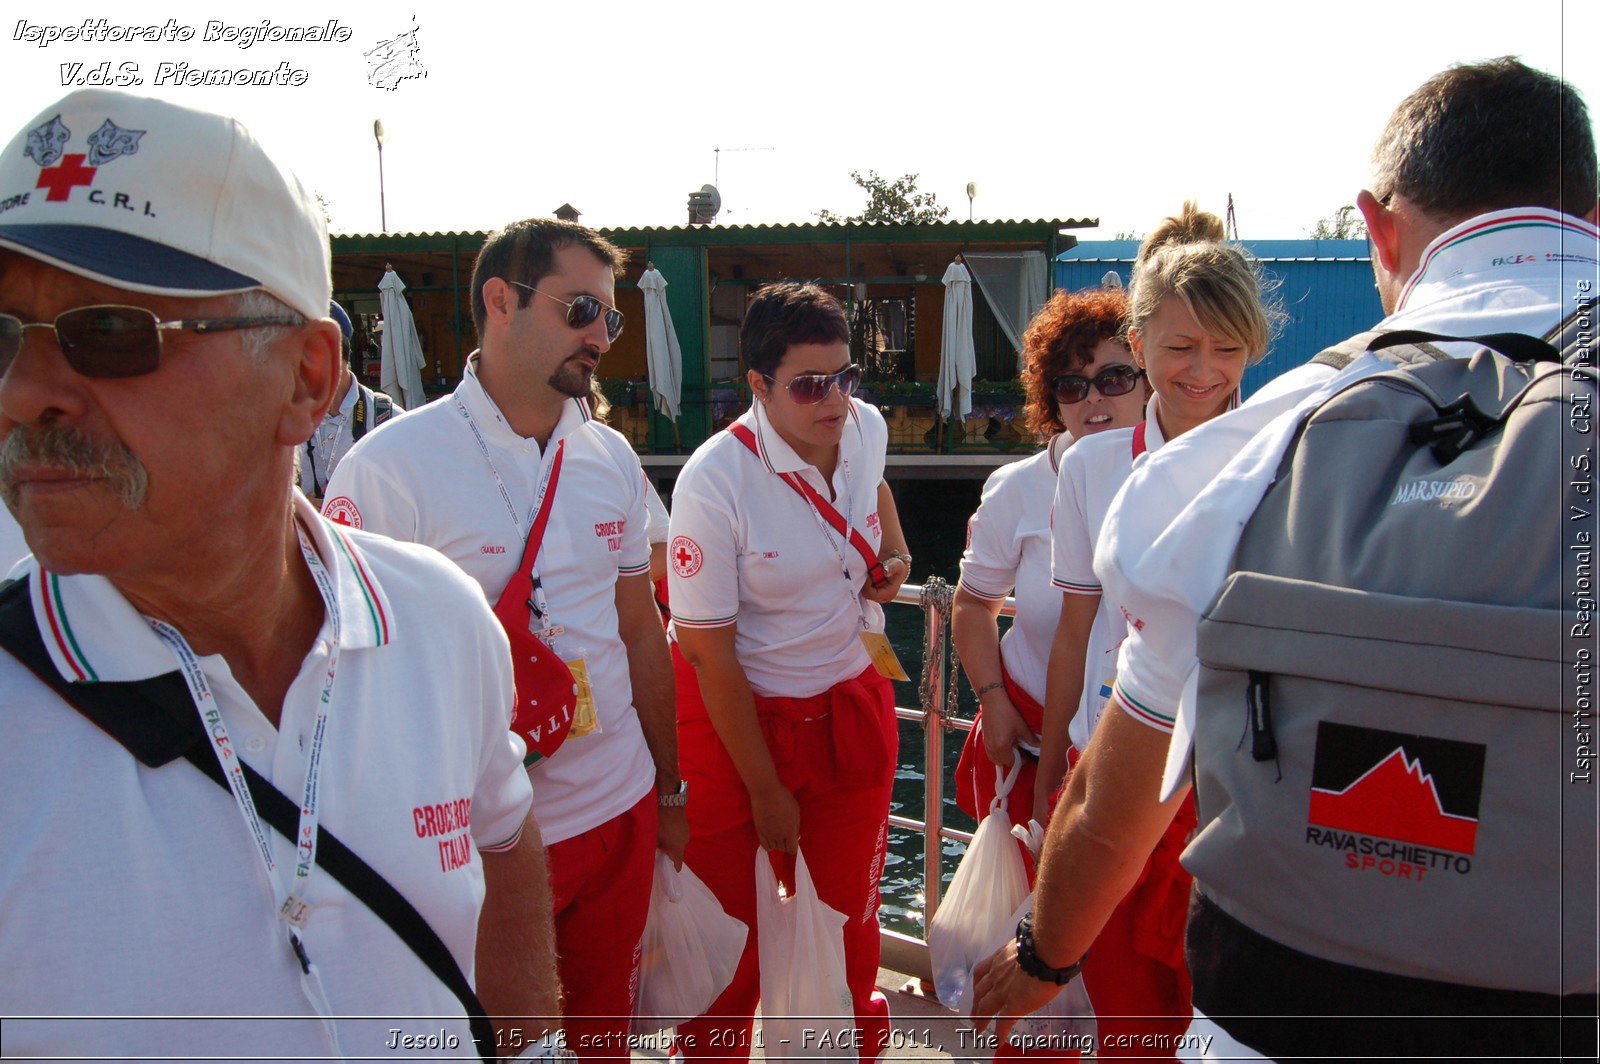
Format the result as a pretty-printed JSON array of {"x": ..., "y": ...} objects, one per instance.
[
  {"x": 342, "y": 511},
  {"x": 685, "y": 555}
]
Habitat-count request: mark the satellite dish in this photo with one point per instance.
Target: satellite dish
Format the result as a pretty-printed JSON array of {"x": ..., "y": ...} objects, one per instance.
[
  {"x": 704, "y": 205},
  {"x": 972, "y": 190}
]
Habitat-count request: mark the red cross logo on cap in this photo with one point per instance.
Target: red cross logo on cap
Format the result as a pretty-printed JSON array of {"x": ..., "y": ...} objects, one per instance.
[{"x": 64, "y": 177}]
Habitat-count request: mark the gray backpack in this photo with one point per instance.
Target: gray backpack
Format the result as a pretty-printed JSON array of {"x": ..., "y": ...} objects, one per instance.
[{"x": 1392, "y": 773}]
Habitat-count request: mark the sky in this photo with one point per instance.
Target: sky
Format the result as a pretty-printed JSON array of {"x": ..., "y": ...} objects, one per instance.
[{"x": 1116, "y": 111}]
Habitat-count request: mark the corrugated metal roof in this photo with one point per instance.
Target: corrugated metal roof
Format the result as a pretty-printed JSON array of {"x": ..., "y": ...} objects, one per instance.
[
  {"x": 953, "y": 227},
  {"x": 1263, "y": 250}
]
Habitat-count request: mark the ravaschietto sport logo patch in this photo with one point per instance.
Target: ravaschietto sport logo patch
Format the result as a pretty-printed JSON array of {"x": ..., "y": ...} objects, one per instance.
[{"x": 1401, "y": 805}]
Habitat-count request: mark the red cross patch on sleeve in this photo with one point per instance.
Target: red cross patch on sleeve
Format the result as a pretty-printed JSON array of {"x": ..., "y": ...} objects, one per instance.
[{"x": 685, "y": 555}]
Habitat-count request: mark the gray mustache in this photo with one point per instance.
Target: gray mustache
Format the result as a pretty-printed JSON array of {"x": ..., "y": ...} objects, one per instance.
[{"x": 63, "y": 447}]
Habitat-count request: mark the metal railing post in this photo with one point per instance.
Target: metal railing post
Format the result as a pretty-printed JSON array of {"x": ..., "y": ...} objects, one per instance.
[{"x": 938, "y": 628}]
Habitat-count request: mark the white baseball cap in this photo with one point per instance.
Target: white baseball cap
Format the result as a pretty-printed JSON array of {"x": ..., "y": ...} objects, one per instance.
[{"x": 155, "y": 197}]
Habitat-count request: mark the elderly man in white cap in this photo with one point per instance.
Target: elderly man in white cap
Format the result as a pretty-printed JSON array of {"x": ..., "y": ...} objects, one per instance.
[{"x": 250, "y": 764}]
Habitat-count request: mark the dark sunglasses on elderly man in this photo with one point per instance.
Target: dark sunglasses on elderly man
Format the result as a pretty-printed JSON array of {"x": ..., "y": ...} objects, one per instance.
[
  {"x": 583, "y": 310},
  {"x": 114, "y": 341},
  {"x": 1112, "y": 381},
  {"x": 808, "y": 389}
]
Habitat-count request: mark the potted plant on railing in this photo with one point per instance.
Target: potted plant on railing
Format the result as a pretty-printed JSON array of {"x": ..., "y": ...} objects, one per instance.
[{"x": 891, "y": 394}]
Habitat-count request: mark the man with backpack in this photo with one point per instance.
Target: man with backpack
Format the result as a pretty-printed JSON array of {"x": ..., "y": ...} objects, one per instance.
[{"x": 1384, "y": 831}]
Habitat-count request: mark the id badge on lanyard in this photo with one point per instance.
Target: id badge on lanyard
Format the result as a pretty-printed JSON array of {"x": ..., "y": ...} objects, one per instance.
[
  {"x": 294, "y": 908},
  {"x": 828, "y": 517}
]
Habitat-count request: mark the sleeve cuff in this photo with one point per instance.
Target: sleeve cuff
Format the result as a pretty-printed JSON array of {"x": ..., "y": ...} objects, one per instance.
[
  {"x": 1142, "y": 711},
  {"x": 680, "y": 621},
  {"x": 501, "y": 847},
  {"x": 990, "y": 596}
]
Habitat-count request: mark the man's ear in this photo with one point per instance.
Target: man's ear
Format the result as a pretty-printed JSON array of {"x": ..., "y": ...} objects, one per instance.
[
  {"x": 499, "y": 300},
  {"x": 758, "y": 384},
  {"x": 1381, "y": 231},
  {"x": 1136, "y": 347},
  {"x": 315, "y": 366}
]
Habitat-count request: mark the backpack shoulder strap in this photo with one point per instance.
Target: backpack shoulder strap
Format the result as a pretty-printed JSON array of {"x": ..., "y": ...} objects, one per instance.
[
  {"x": 1569, "y": 339},
  {"x": 1345, "y": 352}
]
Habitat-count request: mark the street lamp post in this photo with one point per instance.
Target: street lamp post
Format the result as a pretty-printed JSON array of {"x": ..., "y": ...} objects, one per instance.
[{"x": 383, "y": 208}]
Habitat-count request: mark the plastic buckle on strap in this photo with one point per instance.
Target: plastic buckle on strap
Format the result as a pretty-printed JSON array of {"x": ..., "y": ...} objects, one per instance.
[{"x": 1461, "y": 425}]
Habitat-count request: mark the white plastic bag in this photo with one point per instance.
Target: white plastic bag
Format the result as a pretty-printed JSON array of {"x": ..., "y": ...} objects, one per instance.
[
  {"x": 803, "y": 987},
  {"x": 689, "y": 950},
  {"x": 1067, "y": 1022},
  {"x": 974, "y": 919}
]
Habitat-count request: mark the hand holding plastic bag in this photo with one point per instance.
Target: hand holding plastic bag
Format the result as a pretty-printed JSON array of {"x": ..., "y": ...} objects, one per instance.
[
  {"x": 689, "y": 950},
  {"x": 975, "y": 916},
  {"x": 1067, "y": 1022},
  {"x": 803, "y": 987}
]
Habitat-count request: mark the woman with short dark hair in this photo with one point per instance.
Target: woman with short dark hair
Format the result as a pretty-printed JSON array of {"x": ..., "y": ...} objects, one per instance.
[{"x": 785, "y": 541}]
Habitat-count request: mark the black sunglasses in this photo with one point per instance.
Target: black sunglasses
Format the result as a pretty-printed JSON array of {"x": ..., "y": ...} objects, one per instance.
[
  {"x": 808, "y": 389},
  {"x": 114, "y": 341},
  {"x": 1119, "y": 379},
  {"x": 583, "y": 310}
]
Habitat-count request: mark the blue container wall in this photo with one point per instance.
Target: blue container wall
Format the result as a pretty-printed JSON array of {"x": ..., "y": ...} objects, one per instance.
[{"x": 1324, "y": 301}]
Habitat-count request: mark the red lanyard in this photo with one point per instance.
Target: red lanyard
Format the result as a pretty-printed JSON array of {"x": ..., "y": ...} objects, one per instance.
[
  {"x": 1138, "y": 440},
  {"x": 520, "y": 589},
  {"x": 824, "y": 509}
]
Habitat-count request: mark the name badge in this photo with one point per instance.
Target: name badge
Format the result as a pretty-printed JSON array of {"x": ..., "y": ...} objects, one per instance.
[
  {"x": 584, "y": 719},
  {"x": 883, "y": 655}
]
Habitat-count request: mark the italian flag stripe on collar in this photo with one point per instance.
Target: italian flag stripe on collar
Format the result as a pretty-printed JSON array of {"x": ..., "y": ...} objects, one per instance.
[
  {"x": 380, "y": 622},
  {"x": 61, "y": 629}
]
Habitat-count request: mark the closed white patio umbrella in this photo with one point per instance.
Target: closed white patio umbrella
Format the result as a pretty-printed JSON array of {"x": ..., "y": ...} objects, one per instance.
[
  {"x": 401, "y": 375},
  {"x": 663, "y": 358},
  {"x": 958, "y": 362}
]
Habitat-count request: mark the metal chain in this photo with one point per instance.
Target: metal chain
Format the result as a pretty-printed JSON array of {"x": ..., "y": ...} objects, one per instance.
[
  {"x": 952, "y": 687},
  {"x": 938, "y": 595}
]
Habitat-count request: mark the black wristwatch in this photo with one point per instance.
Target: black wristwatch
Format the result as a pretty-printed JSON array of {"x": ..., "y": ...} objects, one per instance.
[{"x": 1029, "y": 961}]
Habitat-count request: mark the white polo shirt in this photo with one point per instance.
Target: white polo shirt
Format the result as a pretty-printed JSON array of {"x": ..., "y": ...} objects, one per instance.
[
  {"x": 424, "y": 478},
  {"x": 656, "y": 517},
  {"x": 748, "y": 548},
  {"x": 1092, "y": 472},
  {"x": 136, "y": 890},
  {"x": 1008, "y": 548},
  {"x": 1172, "y": 533},
  {"x": 13, "y": 547}
]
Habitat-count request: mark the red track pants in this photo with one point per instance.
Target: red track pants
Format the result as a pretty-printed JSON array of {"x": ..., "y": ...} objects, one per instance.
[
  {"x": 600, "y": 884},
  {"x": 836, "y": 754}
]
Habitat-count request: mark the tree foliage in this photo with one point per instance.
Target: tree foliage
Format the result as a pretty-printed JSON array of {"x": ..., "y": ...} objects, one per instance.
[
  {"x": 1343, "y": 224},
  {"x": 891, "y": 201}
]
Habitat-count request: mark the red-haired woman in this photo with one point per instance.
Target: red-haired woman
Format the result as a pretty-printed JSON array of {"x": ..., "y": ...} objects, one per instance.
[{"x": 1080, "y": 380}]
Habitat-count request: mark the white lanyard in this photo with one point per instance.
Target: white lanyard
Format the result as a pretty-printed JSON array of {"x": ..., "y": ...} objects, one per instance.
[
  {"x": 293, "y": 909},
  {"x": 541, "y": 602},
  {"x": 837, "y": 546}
]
